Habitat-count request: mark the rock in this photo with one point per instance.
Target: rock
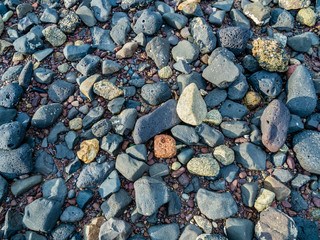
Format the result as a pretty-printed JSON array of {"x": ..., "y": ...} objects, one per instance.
[
  {"x": 217, "y": 17},
  {"x": 44, "y": 163},
  {"x": 120, "y": 31},
  {"x": 214, "y": 73},
  {"x": 11, "y": 73},
  {"x": 42, "y": 54},
  {"x": 305, "y": 146},
  {"x": 150, "y": 195},
  {"x": 75, "y": 124},
  {"x": 270, "y": 54},
  {"x": 115, "y": 105},
  {"x": 88, "y": 150},
  {"x": 86, "y": 87},
  {"x": 49, "y": 15},
  {"x": 109, "y": 67},
  {"x": 60, "y": 90},
  {"x": 250, "y": 156},
  {"x": 158, "y": 49},
  {"x": 3, "y": 189},
  {"x": 138, "y": 152},
  {"x": 21, "y": 186},
  {"x": 94, "y": 174},
  {"x": 111, "y": 143},
  {"x": 43, "y": 75},
  {"x": 88, "y": 65},
  {"x": 75, "y": 53},
  {"x": 1, "y": 25},
  {"x": 91, "y": 230},
  {"x": 239, "y": 19},
  {"x": 210, "y": 136},
  {"x": 239, "y": 229},
  {"x": 274, "y": 125},
  {"x": 54, "y": 36},
  {"x": 264, "y": 199},
  {"x": 289, "y": 5},
  {"x": 55, "y": 189},
  {"x": 116, "y": 204},
  {"x": 182, "y": 66},
  {"x": 152, "y": 124},
  {"x": 203, "y": 223},
  {"x": 163, "y": 8},
  {"x": 234, "y": 39},
  {"x": 224, "y": 154},
  {"x": 216, "y": 205},
  {"x": 164, "y": 146},
  {"x": 175, "y": 20},
  {"x": 101, "y": 128},
  {"x": 300, "y": 180},
  {"x": 300, "y": 43},
  {"x": 185, "y": 79},
  {"x": 185, "y": 134},
  {"x": 191, "y": 107},
  {"x": 168, "y": 231},
  {"x": 46, "y": 115},
  {"x": 71, "y": 214},
  {"x": 267, "y": 83},
  {"x": 165, "y": 72},
  {"x": 301, "y": 99},
  {"x": 258, "y": 13},
  {"x": 202, "y": 35},
  {"x": 107, "y": 89},
  {"x": 156, "y": 93},
  {"x": 282, "y": 174},
  {"x": 283, "y": 228},
  {"x": 159, "y": 170},
  {"x": 185, "y": 51},
  {"x": 26, "y": 75},
  {"x": 191, "y": 231},
  {"x": 101, "y": 39},
  {"x": 63, "y": 231},
  {"x": 148, "y": 23},
  {"x": 127, "y": 51},
  {"x": 238, "y": 88},
  {"x": 86, "y": 15},
  {"x": 306, "y": 228},
  {"x": 233, "y": 110},
  {"x": 12, "y": 135},
  {"x": 84, "y": 197},
  {"x": 129, "y": 167},
  {"x": 10, "y": 95},
  {"x": 235, "y": 129},
  {"x": 115, "y": 229},
  {"x": 110, "y": 185},
  {"x": 204, "y": 165},
  {"x": 281, "y": 190},
  {"x": 249, "y": 192},
  {"x": 124, "y": 122},
  {"x": 7, "y": 115},
  {"x": 41, "y": 215},
  {"x": 307, "y": 16},
  {"x": 281, "y": 20},
  {"x": 28, "y": 43},
  {"x": 215, "y": 97},
  {"x": 102, "y": 9}
]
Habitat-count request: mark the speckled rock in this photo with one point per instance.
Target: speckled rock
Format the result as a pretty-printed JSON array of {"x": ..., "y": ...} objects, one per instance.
[
  {"x": 250, "y": 156},
  {"x": 88, "y": 150},
  {"x": 158, "y": 49},
  {"x": 224, "y": 154},
  {"x": 148, "y": 23},
  {"x": 185, "y": 50},
  {"x": 107, "y": 89},
  {"x": 165, "y": 72},
  {"x": 307, "y": 16},
  {"x": 69, "y": 23},
  {"x": 115, "y": 229},
  {"x": 264, "y": 199},
  {"x": 294, "y": 4},
  {"x": 164, "y": 146},
  {"x": 258, "y": 13},
  {"x": 234, "y": 39},
  {"x": 156, "y": 93},
  {"x": 204, "y": 165},
  {"x": 46, "y": 115},
  {"x": 10, "y": 95},
  {"x": 54, "y": 36}
]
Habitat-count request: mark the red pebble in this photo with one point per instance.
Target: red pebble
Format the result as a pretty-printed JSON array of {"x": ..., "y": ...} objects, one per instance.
[
  {"x": 290, "y": 162},
  {"x": 316, "y": 201},
  {"x": 190, "y": 203},
  {"x": 242, "y": 175},
  {"x": 286, "y": 204}
]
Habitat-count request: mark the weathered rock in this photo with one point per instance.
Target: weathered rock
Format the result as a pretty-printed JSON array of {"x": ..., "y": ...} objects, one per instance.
[
  {"x": 307, "y": 16},
  {"x": 54, "y": 36},
  {"x": 115, "y": 229},
  {"x": 235, "y": 129},
  {"x": 249, "y": 192},
  {"x": 91, "y": 230},
  {"x": 224, "y": 154},
  {"x": 258, "y": 13},
  {"x": 239, "y": 229},
  {"x": 43, "y": 75},
  {"x": 75, "y": 53},
  {"x": 88, "y": 150},
  {"x": 88, "y": 65},
  {"x": 185, "y": 134},
  {"x": 12, "y": 135},
  {"x": 3, "y": 189},
  {"x": 234, "y": 39},
  {"x": 116, "y": 204},
  {"x": 124, "y": 123},
  {"x": 264, "y": 199},
  {"x": 111, "y": 143},
  {"x": 168, "y": 231},
  {"x": 110, "y": 185},
  {"x": 204, "y": 165},
  {"x": 21, "y": 186},
  {"x": 128, "y": 50},
  {"x": 158, "y": 49},
  {"x": 175, "y": 20},
  {"x": 296, "y": 4},
  {"x": 102, "y": 9},
  {"x": 209, "y": 135},
  {"x": 185, "y": 50},
  {"x": 71, "y": 214},
  {"x": 46, "y": 115},
  {"x": 10, "y": 95},
  {"x": 60, "y": 90},
  {"x": 107, "y": 89},
  {"x": 281, "y": 20},
  {"x": 156, "y": 93},
  {"x": 148, "y": 23},
  {"x": 101, "y": 39},
  {"x": 164, "y": 146}
]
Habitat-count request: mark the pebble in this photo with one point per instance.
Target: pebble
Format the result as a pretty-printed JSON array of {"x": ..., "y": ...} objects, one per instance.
[
  {"x": 264, "y": 199},
  {"x": 164, "y": 146},
  {"x": 204, "y": 165},
  {"x": 88, "y": 150}
]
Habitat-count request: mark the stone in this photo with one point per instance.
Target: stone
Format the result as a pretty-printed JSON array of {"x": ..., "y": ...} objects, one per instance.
[
  {"x": 109, "y": 67},
  {"x": 84, "y": 198},
  {"x": 46, "y": 115},
  {"x": 110, "y": 185},
  {"x": 55, "y": 189},
  {"x": 115, "y": 105},
  {"x": 156, "y": 93},
  {"x": 224, "y": 154},
  {"x": 28, "y": 43},
  {"x": 169, "y": 231},
  {"x": 300, "y": 180},
  {"x": 63, "y": 231},
  {"x": 306, "y": 228},
  {"x": 127, "y": 51},
  {"x": 203, "y": 35},
  {"x": 165, "y": 72},
  {"x": 44, "y": 163},
  {"x": 217, "y": 17},
  {"x": 239, "y": 229},
  {"x": 164, "y": 146},
  {"x": 124, "y": 122},
  {"x": 264, "y": 199},
  {"x": 101, "y": 39},
  {"x": 185, "y": 79},
  {"x": 71, "y": 214},
  {"x": 307, "y": 16},
  {"x": 43, "y": 75},
  {"x": 215, "y": 97},
  {"x": 158, "y": 170},
  {"x": 148, "y": 23},
  {"x": 88, "y": 150},
  {"x": 75, "y": 53},
  {"x": 138, "y": 152},
  {"x": 21, "y": 186},
  {"x": 203, "y": 223},
  {"x": 185, "y": 134},
  {"x": 158, "y": 49},
  {"x": 301, "y": 98},
  {"x": 7, "y": 115},
  {"x": 101, "y": 9},
  {"x": 150, "y": 195},
  {"x": 26, "y": 75},
  {"x": 111, "y": 143},
  {"x": 234, "y": 39},
  {"x": 185, "y": 50},
  {"x": 175, "y": 20},
  {"x": 116, "y": 204},
  {"x": 297, "y": 4},
  {"x": 12, "y": 134},
  {"x": 204, "y": 165},
  {"x": 60, "y": 90},
  {"x": 300, "y": 43},
  {"x": 216, "y": 205},
  {"x": 258, "y": 13},
  {"x": 75, "y": 124},
  {"x": 88, "y": 65},
  {"x": 11, "y": 73},
  {"x": 3, "y": 189},
  {"x": 239, "y": 19},
  {"x": 182, "y": 66},
  {"x": 12, "y": 224},
  {"x": 282, "y": 175},
  {"x": 86, "y": 87},
  {"x": 92, "y": 229},
  {"x": 86, "y": 15},
  {"x": 281, "y": 190},
  {"x": 10, "y": 95},
  {"x": 283, "y": 228},
  {"x": 191, "y": 107},
  {"x": 94, "y": 174},
  {"x": 238, "y": 88},
  {"x": 250, "y": 156},
  {"x": 249, "y": 192},
  {"x": 235, "y": 129},
  {"x": 163, "y": 8},
  {"x": 210, "y": 136},
  {"x": 191, "y": 231},
  {"x": 152, "y": 124},
  {"x": 42, "y": 54},
  {"x": 281, "y": 20},
  {"x": 233, "y": 110},
  {"x": 101, "y": 128},
  {"x": 49, "y": 15},
  {"x": 270, "y": 54},
  {"x": 129, "y": 167},
  {"x": 54, "y": 36},
  {"x": 115, "y": 229},
  {"x": 120, "y": 31},
  {"x": 107, "y": 89}
]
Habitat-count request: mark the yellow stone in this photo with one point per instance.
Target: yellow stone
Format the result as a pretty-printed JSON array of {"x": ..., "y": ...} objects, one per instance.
[
  {"x": 88, "y": 150},
  {"x": 307, "y": 16},
  {"x": 78, "y": 43},
  {"x": 17, "y": 56},
  {"x": 252, "y": 100},
  {"x": 36, "y": 65},
  {"x": 264, "y": 199},
  {"x": 187, "y": 2},
  {"x": 75, "y": 124},
  {"x": 86, "y": 87},
  {"x": 165, "y": 72},
  {"x": 91, "y": 231}
]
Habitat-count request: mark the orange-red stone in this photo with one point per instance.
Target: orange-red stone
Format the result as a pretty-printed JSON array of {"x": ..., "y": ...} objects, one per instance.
[{"x": 164, "y": 146}]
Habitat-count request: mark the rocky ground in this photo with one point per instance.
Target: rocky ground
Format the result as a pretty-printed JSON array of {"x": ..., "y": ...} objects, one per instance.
[{"x": 142, "y": 119}]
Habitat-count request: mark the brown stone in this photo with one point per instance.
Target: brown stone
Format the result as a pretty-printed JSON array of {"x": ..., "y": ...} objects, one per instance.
[
  {"x": 127, "y": 50},
  {"x": 91, "y": 230},
  {"x": 164, "y": 146},
  {"x": 281, "y": 190},
  {"x": 107, "y": 89},
  {"x": 274, "y": 125},
  {"x": 86, "y": 87},
  {"x": 88, "y": 150},
  {"x": 252, "y": 100}
]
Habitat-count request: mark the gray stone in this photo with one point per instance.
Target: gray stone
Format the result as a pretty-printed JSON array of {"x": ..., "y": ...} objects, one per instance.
[
  {"x": 148, "y": 23},
  {"x": 60, "y": 90},
  {"x": 185, "y": 50},
  {"x": 44, "y": 163},
  {"x": 298, "y": 203},
  {"x": 7, "y": 115},
  {"x": 115, "y": 105},
  {"x": 92, "y": 117},
  {"x": 281, "y": 20},
  {"x": 115, "y": 228},
  {"x": 250, "y": 156},
  {"x": 55, "y": 131},
  {"x": 21, "y": 186},
  {"x": 42, "y": 54},
  {"x": 250, "y": 63},
  {"x": 184, "y": 80},
  {"x": 217, "y": 17},
  {"x": 116, "y": 204},
  {"x": 258, "y": 13},
  {"x": 12, "y": 223},
  {"x": 191, "y": 231},
  {"x": 300, "y": 43},
  {"x": 12, "y": 135},
  {"x": 282, "y": 175},
  {"x": 102, "y": 9},
  {"x": 163, "y": 8},
  {"x": 11, "y": 73},
  {"x": 71, "y": 214},
  {"x": 10, "y": 95},
  {"x": 43, "y": 75},
  {"x": 215, "y": 97},
  {"x": 238, "y": 89},
  {"x": 101, "y": 39},
  {"x": 164, "y": 231},
  {"x": 229, "y": 172},
  {"x": 101, "y": 128},
  {"x": 86, "y": 15},
  {"x": 158, "y": 49},
  {"x": 84, "y": 197},
  {"x": 249, "y": 192},
  {"x": 49, "y": 15},
  {"x": 233, "y": 110},
  {"x": 300, "y": 180},
  {"x": 111, "y": 143},
  {"x": 26, "y": 75},
  {"x": 109, "y": 67},
  {"x": 138, "y": 152},
  {"x": 46, "y": 115},
  {"x": 88, "y": 65},
  {"x": 120, "y": 32},
  {"x": 209, "y": 135},
  {"x": 3, "y": 189},
  {"x": 28, "y": 43},
  {"x": 306, "y": 228},
  {"x": 239, "y": 19},
  {"x": 235, "y": 129},
  {"x": 55, "y": 189},
  {"x": 239, "y": 229},
  {"x": 75, "y": 53},
  {"x": 34, "y": 236},
  {"x": 158, "y": 170},
  {"x": 63, "y": 231},
  {"x": 221, "y": 51},
  {"x": 185, "y": 134},
  {"x": 175, "y": 20},
  {"x": 235, "y": 39},
  {"x": 110, "y": 185},
  {"x": 182, "y": 66},
  {"x": 174, "y": 206},
  {"x": 62, "y": 151},
  {"x": 155, "y": 93}
]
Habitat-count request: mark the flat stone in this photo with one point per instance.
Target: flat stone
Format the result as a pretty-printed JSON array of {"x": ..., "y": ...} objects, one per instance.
[
  {"x": 21, "y": 186},
  {"x": 233, "y": 110},
  {"x": 249, "y": 192},
  {"x": 158, "y": 49},
  {"x": 168, "y": 231},
  {"x": 101, "y": 39},
  {"x": 281, "y": 190},
  {"x": 43, "y": 75},
  {"x": 10, "y": 95},
  {"x": 185, "y": 134},
  {"x": 115, "y": 228},
  {"x": 76, "y": 53},
  {"x": 241, "y": 229},
  {"x": 101, "y": 9},
  {"x": 110, "y": 185},
  {"x": 88, "y": 65},
  {"x": 44, "y": 163},
  {"x": 116, "y": 204},
  {"x": 86, "y": 87},
  {"x": 156, "y": 93},
  {"x": 46, "y": 115},
  {"x": 60, "y": 90},
  {"x": 127, "y": 51},
  {"x": 235, "y": 129},
  {"x": 250, "y": 156},
  {"x": 281, "y": 20},
  {"x": 92, "y": 117},
  {"x": 204, "y": 165},
  {"x": 209, "y": 135},
  {"x": 11, "y": 73}
]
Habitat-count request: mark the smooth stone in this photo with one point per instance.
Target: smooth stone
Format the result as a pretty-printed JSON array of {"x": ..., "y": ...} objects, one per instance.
[
  {"x": 233, "y": 110},
  {"x": 11, "y": 73},
  {"x": 84, "y": 198},
  {"x": 92, "y": 117},
  {"x": 88, "y": 65},
  {"x": 43, "y": 75},
  {"x": 191, "y": 231},
  {"x": 300, "y": 43},
  {"x": 209, "y": 135},
  {"x": 235, "y": 129},
  {"x": 224, "y": 154},
  {"x": 281, "y": 190},
  {"x": 238, "y": 89},
  {"x": 300, "y": 180},
  {"x": 158, "y": 49},
  {"x": 111, "y": 143},
  {"x": 44, "y": 163},
  {"x": 116, "y": 204},
  {"x": 281, "y": 20},
  {"x": 155, "y": 93},
  {"x": 28, "y": 44},
  {"x": 239, "y": 229},
  {"x": 110, "y": 185},
  {"x": 26, "y": 75},
  {"x": 86, "y": 15},
  {"x": 115, "y": 229},
  {"x": 215, "y": 97},
  {"x": 60, "y": 90},
  {"x": 185, "y": 134},
  {"x": 71, "y": 214},
  {"x": 264, "y": 199},
  {"x": 75, "y": 53},
  {"x": 21, "y": 186},
  {"x": 167, "y": 231},
  {"x": 138, "y": 152},
  {"x": 124, "y": 123},
  {"x": 46, "y": 115},
  {"x": 175, "y": 20},
  {"x": 250, "y": 156},
  {"x": 239, "y": 19},
  {"x": 249, "y": 192},
  {"x": 101, "y": 9},
  {"x": 204, "y": 165},
  {"x": 101, "y": 39},
  {"x": 7, "y": 115}
]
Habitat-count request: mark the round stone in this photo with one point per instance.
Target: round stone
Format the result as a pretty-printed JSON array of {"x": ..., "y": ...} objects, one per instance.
[
  {"x": 165, "y": 72},
  {"x": 252, "y": 100},
  {"x": 88, "y": 150},
  {"x": 307, "y": 16},
  {"x": 175, "y": 166},
  {"x": 205, "y": 165},
  {"x": 224, "y": 154},
  {"x": 75, "y": 124},
  {"x": 164, "y": 146},
  {"x": 213, "y": 117}
]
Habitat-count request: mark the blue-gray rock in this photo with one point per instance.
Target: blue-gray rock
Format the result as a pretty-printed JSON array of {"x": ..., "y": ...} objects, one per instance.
[
  {"x": 7, "y": 115},
  {"x": 191, "y": 231},
  {"x": 24, "y": 119},
  {"x": 102, "y": 9},
  {"x": 12, "y": 135},
  {"x": 249, "y": 192},
  {"x": 55, "y": 131},
  {"x": 124, "y": 122},
  {"x": 250, "y": 156},
  {"x": 182, "y": 66},
  {"x": 11, "y": 73},
  {"x": 101, "y": 128},
  {"x": 21, "y": 186},
  {"x": 300, "y": 180},
  {"x": 138, "y": 152},
  {"x": 88, "y": 65},
  {"x": 33, "y": 236},
  {"x": 92, "y": 117},
  {"x": 60, "y": 90},
  {"x": 155, "y": 93},
  {"x": 71, "y": 214},
  {"x": 239, "y": 229},
  {"x": 295, "y": 124},
  {"x": 174, "y": 206},
  {"x": 239, "y": 19},
  {"x": 158, "y": 170},
  {"x": 185, "y": 50},
  {"x": 306, "y": 229},
  {"x": 202, "y": 35},
  {"x": 215, "y": 97},
  {"x": 217, "y": 17},
  {"x": 116, "y": 204},
  {"x": 27, "y": 22},
  {"x": 164, "y": 231},
  {"x": 44, "y": 163},
  {"x": 62, "y": 151},
  {"x": 163, "y": 118},
  {"x": 218, "y": 185},
  {"x": 234, "y": 39},
  {"x": 175, "y": 20},
  {"x": 129, "y": 167},
  {"x": 28, "y": 43},
  {"x": 250, "y": 63},
  {"x": 12, "y": 223},
  {"x": 84, "y": 197},
  {"x": 148, "y": 23},
  {"x": 233, "y": 110},
  {"x": 313, "y": 121},
  {"x": 42, "y": 54},
  {"x": 55, "y": 189},
  {"x": 63, "y": 231},
  {"x": 281, "y": 20},
  {"x": 229, "y": 172},
  {"x": 185, "y": 134},
  {"x": 300, "y": 43},
  {"x": 49, "y": 15},
  {"x": 75, "y": 53},
  {"x": 115, "y": 229},
  {"x": 120, "y": 32},
  {"x": 234, "y": 129},
  {"x": 301, "y": 98},
  {"x": 297, "y": 201},
  {"x": 86, "y": 15},
  {"x": 43, "y": 75},
  {"x": 110, "y": 185},
  {"x": 209, "y": 135},
  {"x": 216, "y": 205},
  {"x": 306, "y": 147},
  {"x": 111, "y": 143},
  {"x": 94, "y": 174},
  {"x": 279, "y": 158},
  {"x": 163, "y": 8},
  {"x": 10, "y": 95},
  {"x": 14, "y": 163},
  {"x": 158, "y": 49},
  {"x": 221, "y": 51},
  {"x": 150, "y": 195},
  {"x": 3, "y": 189},
  {"x": 110, "y": 67},
  {"x": 184, "y": 80},
  {"x": 101, "y": 39},
  {"x": 71, "y": 77},
  {"x": 42, "y": 214},
  {"x": 46, "y": 115},
  {"x": 26, "y": 75}
]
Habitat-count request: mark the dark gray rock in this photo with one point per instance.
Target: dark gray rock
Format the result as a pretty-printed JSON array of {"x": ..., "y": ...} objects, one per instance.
[
  {"x": 239, "y": 229},
  {"x": 84, "y": 197},
  {"x": 250, "y": 156},
  {"x": 239, "y": 19},
  {"x": 63, "y": 231},
  {"x": 7, "y": 115},
  {"x": 116, "y": 204},
  {"x": 14, "y": 163},
  {"x": 300, "y": 180},
  {"x": 182, "y": 66},
  {"x": 101, "y": 39},
  {"x": 148, "y": 23},
  {"x": 55, "y": 131},
  {"x": 28, "y": 43},
  {"x": 281, "y": 20},
  {"x": 3, "y": 189},
  {"x": 297, "y": 201},
  {"x": 92, "y": 117},
  {"x": 110, "y": 67},
  {"x": 111, "y": 143},
  {"x": 158, "y": 170},
  {"x": 218, "y": 185},
  {"x": 221, "y": 51},
  {"x": 12, "y": 135},
  {"x": 229, "y": 172},
  {"x": 60, "y": 90},
  {"x": 10, "y": 95},
  {"x": 26, "y": 75},
  {"x": 235, "y": 129},
  {"x": 33, "y": 236},
  {"x": 234, "y": 39},
  {"x": 75, "y": 53},
  {"x": 184, "y": 80},
  {"x": 174, "y": 206},
  {"x": 94, "y": 174},
  {"x": 12, "y": 223},
  {"x": 27, "y": 22},
  {"x": 115, "y": 105},
  {"x": 43, "y": 75},
  {"x": 71, "y": 214},
  {"x": 44, "y": 163},
  {"x": 216, "y": 205},
  {"x": 217, "y": 17},
  {"x": 300, "y": 43},
  {"x": 163, "y": 118},
  {"x": 21, "y": 186},
  {"x": 209, "y": 135},
  {"x": 129, "y": 167},
  {"x": 115, "y": 228},
  {"x": 11, "y": 73},
  {"x": 301, "y": 98},
  {"x": 249, "y": 192},
  {"x": 110, "y": 185},
  {"x": 46, "y": 115},
  {"x": 155, "y": 93},
  {"x": 124, "y": 122},
  {"x": 62, "y": 151},
  {"x": 158, "y": 49},
  {"x": 71, "y": 139},
  {"x": 120, "y": 31},
  {"x": 55, "y": 189},
  {"x": 102, "y": 9},
  {"x": 42, "y": 54},
  {"x": 175, "y": 20},
  {"x": 101, "y": 128},
  {"x": 233, "y": 110},
  {"x": 250, "y": 63},
  {"x": 164, "y": 231},
  {"x": 185, "y": 134},
  {"x": 138, "y": 152},
  {"x": 49, "y": 15},
  {"x": 88, "y": 65},
  {"x": 313, "y": 121},
  {"x": 118, "y": 16},
  {"x": 185, "y": 50},
  {"x": 306, "y": 229},
  {"x": 215, "y": 97}
]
